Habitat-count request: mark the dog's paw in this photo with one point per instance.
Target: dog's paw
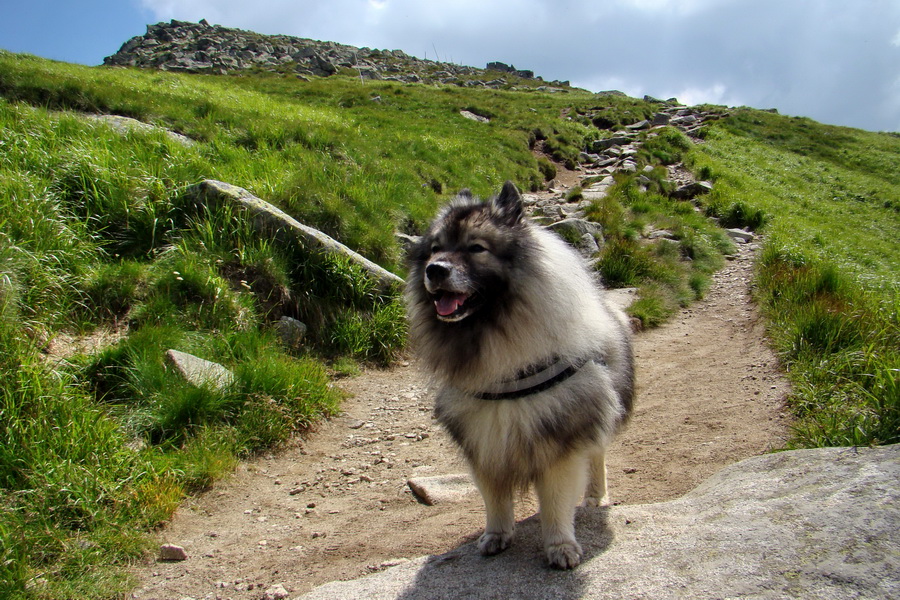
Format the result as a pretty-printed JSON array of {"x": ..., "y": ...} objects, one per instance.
[
  {"x": 592, "y": 502},
  {"x": 564, "y": 556},
  {"x": 491, "y": 543}
]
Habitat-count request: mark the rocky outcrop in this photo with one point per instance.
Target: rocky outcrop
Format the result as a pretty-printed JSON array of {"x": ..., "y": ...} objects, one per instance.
[
  {"x": 807, "y": 524},
  {"x": 204, "y": 48},
  {"x": 274, "y": 222},
  {"x": 564, "y": 212}
]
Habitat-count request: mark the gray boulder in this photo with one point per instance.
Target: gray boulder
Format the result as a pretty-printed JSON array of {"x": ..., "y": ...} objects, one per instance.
[
  {"x": 574, "y": 229},
  {"x": 601, "y": 145},
  {"x": 273, "y": 221},
  {"x": 692, "y": 190},
  {"x": 806, "y": 524},
  {"x": 198, "y": 371}
]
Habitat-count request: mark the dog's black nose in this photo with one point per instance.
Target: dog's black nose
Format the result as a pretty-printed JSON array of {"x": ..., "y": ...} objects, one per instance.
[{"x": 437, "y": 271}]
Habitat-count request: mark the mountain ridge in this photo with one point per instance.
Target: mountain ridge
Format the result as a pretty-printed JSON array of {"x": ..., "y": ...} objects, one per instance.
[{"x": 204, "y": 48}]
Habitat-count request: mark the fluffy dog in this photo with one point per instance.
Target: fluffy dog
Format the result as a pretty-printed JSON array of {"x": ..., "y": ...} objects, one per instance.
[{"x": 534, "y": 370}]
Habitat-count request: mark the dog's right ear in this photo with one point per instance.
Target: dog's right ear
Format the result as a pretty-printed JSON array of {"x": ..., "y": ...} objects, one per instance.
[{"x": 508, "y": 205}]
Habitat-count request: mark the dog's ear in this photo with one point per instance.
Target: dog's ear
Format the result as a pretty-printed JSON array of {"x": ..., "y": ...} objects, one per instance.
[{"x": 508, "y": 205}]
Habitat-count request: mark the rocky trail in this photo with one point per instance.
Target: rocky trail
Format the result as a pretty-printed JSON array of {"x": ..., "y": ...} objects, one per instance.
[{"x": 337, "y": 504}]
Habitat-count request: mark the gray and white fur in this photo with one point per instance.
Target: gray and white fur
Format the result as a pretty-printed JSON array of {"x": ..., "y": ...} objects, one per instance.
[{"x": 492, "y": 299}]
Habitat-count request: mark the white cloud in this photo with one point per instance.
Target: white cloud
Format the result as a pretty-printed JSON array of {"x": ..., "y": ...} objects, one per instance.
[
  {"x": 683, "y": 7},
  {"x": 896, "y": 40}
]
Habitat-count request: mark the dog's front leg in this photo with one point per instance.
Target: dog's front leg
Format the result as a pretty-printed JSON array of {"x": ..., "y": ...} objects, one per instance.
[
  {"x": 558, "y": 492},
  {"x": 596, "y": 493},
  {"x": 500, "y": 517}
]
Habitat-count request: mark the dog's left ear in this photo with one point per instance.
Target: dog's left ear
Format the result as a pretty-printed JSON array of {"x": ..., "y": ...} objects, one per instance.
[{"x": 508, "y": 205}]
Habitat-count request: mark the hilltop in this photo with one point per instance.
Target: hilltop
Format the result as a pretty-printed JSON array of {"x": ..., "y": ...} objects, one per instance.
[{"x": 204, "y": 48}]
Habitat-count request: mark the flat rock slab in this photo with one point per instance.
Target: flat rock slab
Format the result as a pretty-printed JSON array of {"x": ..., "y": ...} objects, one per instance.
[
  {"x": 198, "y": 371},
  {"x": 442, "y": 489},
  {"x": 271, "y": 220},
  {"x": 804, "y": 524},
  {"x": 621, "y": 297}
]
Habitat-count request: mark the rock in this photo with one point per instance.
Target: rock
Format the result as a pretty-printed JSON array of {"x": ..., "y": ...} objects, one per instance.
[
  {"x": 276, "y": 592},
  {"x": 204, "y": 48},
  {"x": 574, "y": 229},
  {"x": 661, "y": 234},
  {"x": 601, "y": 145},
  {"x": 198, "y": 371},
  {"x": 740, "y": 235},
  {"x": 638, "y": 126},
  {"x": 291, "y": 331},
  {"x": 271, "y": 220},
  {"x": 660, "y": 119},
  {"x": 407, "y": 241},
  {"x": 442, "y": 489},
  {"x": 805, "y": 524},
  {"x": 588, "y": 245},
  {"x": 171, "y": 552},
  {"x": 126, "y": 124},
  {"x": 621, "y": 297},
  {"x": 692, "y": 190},
  {"x": 473, "y": 117}
]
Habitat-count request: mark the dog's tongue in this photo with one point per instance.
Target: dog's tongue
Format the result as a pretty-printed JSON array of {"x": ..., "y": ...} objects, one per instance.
[{"x": 448, "y": 303}]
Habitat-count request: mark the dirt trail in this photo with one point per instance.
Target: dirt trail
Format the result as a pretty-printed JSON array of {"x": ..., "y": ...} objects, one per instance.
[{"x": 336, "y": 505}]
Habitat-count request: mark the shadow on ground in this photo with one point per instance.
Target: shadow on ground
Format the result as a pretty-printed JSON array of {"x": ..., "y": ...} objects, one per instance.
[{"x": 519, "y": 572}]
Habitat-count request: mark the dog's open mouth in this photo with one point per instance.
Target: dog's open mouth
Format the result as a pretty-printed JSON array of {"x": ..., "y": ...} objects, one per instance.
[{"x": 452, "y": 306}]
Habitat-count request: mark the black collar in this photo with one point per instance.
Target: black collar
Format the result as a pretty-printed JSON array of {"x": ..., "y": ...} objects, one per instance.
[{"x": 534, "y": 379}]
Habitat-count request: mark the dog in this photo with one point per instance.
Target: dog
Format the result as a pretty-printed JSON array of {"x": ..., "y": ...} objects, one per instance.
[{"x": 533, "y": 369}]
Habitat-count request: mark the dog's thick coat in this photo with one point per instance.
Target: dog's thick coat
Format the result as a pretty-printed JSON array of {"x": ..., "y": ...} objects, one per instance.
[{"x": 495, "y": 303}]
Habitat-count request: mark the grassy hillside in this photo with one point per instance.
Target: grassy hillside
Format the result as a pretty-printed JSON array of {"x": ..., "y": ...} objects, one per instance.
[
  {"x": 98, "y": 238},
  {"x": 829, "y": 276}
]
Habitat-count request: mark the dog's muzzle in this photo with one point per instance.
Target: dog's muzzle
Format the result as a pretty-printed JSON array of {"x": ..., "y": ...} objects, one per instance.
[{"x": 451, "y": 303}]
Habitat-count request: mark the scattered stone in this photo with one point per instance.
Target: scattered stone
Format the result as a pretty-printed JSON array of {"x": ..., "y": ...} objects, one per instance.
[
  {"x": 621, "y": 297},
  {"x": 291, "y": 331},
  {"x": 276, "y": 592},
  {"x": 473, "y": 117},
  {"x": 199, "y": 372},
  {"x": 601, "y": 145},
  {"x": 576, "y": 228},
  {"x": 442, "y": 489},
  {"x": 740, "y": 235},
  {"x": 660, "y": 119},
  {"x": 125, "y": 124},
  {"x": 172, "y": 552},
  {"x": 692, "y": 190}
]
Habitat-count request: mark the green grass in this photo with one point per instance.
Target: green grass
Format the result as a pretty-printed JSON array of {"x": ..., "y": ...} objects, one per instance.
[{"x": 828, "y": 276}]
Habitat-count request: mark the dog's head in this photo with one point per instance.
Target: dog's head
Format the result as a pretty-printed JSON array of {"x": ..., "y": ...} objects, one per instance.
[{"x": 462, "y": 266}]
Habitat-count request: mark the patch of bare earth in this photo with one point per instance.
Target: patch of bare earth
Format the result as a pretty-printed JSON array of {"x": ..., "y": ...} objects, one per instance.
[{"x": 336, "y": 505}]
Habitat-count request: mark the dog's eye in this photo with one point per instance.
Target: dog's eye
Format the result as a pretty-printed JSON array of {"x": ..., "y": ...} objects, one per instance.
[
  {"x": 435, "y": 249},
  {"x": 476, "y": 248}
]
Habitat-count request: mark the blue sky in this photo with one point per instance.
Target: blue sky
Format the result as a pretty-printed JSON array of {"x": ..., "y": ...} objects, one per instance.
[{"x": 836, "y": 61}]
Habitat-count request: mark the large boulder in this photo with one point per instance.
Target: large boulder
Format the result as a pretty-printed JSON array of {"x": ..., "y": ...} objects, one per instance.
[
  {"x": 271, "y": 220},
  {"x": 803, "y": 524}
]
